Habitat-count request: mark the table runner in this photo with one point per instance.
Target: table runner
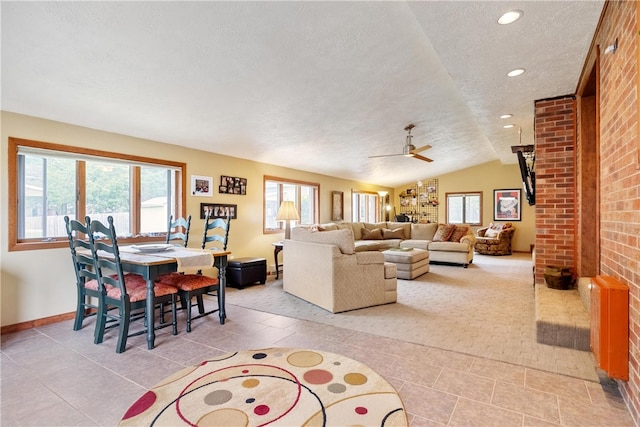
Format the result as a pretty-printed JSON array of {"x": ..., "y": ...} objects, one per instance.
[
  {"x": 187, "y": 259},
  {"x": 276, "y": 386}
]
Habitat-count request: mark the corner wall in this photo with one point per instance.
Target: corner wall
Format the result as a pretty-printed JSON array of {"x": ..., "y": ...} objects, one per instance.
[
  {"x": 555, "y": 141},
  {"x": 619, "y": 166}
]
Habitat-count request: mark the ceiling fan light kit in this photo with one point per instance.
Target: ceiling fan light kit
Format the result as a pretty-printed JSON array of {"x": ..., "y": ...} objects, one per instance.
[{"x": 409, "y": 150}]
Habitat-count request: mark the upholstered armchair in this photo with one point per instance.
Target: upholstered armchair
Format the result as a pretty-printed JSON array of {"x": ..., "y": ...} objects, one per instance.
[{"x": 495, "y": 239}]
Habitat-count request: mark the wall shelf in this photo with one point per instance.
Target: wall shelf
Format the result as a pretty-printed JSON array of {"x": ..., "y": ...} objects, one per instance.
[{"x": 420, "y": 204}]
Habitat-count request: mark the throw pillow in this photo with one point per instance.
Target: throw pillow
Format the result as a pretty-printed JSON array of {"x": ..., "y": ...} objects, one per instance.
[
  {"x": 444, "y": 232},
  {"x": 458, "y": 233},
  {"x": 317, "y": 228},
  {"x": 491, "y": 233},
  {"x": 396, "y": 233},
  {"x": 375, "y": 234}
]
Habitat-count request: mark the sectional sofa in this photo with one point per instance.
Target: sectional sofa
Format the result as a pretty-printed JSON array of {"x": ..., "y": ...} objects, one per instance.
[{"x": 446, "y": 243}]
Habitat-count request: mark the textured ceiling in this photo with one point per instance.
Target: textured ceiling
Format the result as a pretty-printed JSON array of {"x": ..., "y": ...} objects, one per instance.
[{"x": 316, "y": 86}]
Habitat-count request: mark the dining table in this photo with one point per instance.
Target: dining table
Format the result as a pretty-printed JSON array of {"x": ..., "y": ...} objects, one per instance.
[{"x": 151, "y": 264}]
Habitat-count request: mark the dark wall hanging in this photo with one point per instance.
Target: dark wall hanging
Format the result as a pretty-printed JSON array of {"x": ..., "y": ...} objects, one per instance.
[{"x": 232, "y": 185}]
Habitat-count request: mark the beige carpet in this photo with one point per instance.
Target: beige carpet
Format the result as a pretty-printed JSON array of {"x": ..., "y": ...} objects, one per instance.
[{"x": 485, "y": 310}]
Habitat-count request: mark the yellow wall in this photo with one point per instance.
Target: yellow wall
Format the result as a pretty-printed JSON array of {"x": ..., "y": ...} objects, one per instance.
[
  {"x": 40, "y": 283},
  {"x": 485, "y": 178}
]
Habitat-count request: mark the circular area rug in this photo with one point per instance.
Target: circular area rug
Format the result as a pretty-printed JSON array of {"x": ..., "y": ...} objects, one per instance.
[{"x": 275, "y": 386}]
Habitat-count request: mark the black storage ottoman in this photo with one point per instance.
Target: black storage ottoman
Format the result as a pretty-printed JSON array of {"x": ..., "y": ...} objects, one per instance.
[{"x": 246, "y": 271}]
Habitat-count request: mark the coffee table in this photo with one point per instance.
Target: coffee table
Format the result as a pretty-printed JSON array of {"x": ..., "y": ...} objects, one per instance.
[{"x": 411, "y": 263}]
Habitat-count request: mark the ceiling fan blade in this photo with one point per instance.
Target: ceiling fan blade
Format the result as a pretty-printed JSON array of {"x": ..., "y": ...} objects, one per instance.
[
  {"x": 386, "y": 155},
  {"x": 418, "y": 156},
  {"x": 419, "y": 149}
]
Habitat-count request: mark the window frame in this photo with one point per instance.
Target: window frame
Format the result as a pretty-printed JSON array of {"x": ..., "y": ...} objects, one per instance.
[
  {"x": 355, "y": 205},
  {"x": 464, "y": 194},
  {"x": 285, "y": 181},
  {"x": 14, "y": 144}
]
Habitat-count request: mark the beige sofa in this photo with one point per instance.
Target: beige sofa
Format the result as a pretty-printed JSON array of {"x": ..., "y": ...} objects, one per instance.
[
  {"x": 456, "y": 248},
  {"x": 325, "y": 269}
]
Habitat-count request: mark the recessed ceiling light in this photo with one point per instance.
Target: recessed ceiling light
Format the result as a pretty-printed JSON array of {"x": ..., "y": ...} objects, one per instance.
[
  {"x": 516, "y": 72},
  {"x": 506, "y": 116},
  {"x": 510, "y": 17},
  {"x": 508, "y": 126}
]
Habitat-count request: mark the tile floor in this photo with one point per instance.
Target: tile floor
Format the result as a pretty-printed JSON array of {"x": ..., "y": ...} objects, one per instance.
[{"x": 53, "y": 376}]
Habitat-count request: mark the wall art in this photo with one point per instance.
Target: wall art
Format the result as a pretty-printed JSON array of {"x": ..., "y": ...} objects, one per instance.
[
  {"x": 232, "y": 185},
  {"x": 217, "y": 210},
  {"x": 507, "y": 205},
  {"x": 201, "y": 185},
  {"x": 337, "y": 208}
]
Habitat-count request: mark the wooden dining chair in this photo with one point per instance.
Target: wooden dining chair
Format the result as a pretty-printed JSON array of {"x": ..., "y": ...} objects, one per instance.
[
  {"x": 179, "y": 230},
  {"x": 197, "y": 285},
  {"x": 88, "y": 293},
  {"x": 126, "y": 292}
]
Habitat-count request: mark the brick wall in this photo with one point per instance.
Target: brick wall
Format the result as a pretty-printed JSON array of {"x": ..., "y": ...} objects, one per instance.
[
  {"x": 618, "y": 162},
  {"x": 555, "y": 140},
  {"x": 619, "y": 165}
]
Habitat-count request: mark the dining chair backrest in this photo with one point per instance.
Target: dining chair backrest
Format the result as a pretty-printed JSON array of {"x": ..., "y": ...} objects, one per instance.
[
  {"x": 216, "y": 230},
  {"x": 78, "y": 234},
  {"x": 179, "y": 229},
  {"x": 109, "y": 269}
]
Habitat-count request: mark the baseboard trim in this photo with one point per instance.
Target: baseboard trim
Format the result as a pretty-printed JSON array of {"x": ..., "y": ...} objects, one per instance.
[{"x": 17, "y": 327}]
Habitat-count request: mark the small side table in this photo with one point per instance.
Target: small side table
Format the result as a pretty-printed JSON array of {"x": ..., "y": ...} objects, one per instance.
[{"x": 277, "y": 248}]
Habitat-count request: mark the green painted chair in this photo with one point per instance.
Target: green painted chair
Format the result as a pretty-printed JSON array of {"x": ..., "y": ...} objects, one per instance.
[
  {"x": 216, "y": 230},
  {"x": 126, "y": 292},
  {"x": 88, "y": 293}
]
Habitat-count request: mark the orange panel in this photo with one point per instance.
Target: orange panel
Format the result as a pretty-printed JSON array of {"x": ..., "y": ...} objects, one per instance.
[{"x": 610, "y": 326}]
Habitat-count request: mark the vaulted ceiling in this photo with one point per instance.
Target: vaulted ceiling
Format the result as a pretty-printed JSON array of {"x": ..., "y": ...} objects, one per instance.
[{"x": 316, "y": 86}]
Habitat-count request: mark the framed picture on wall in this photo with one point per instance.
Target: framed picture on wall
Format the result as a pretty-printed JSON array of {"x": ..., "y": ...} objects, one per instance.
[
  {"x": 201, "y": 185},
  {"x": 507, "y": 205},
  {"x": 337, "y": 209},
  {"x": 217, "y": 210}
]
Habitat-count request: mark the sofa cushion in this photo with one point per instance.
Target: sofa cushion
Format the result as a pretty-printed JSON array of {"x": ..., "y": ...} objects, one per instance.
[
  {"x": 373, "y": 225},
  {"x": 423, "y": 231},
  {"x": 396, "y": 233},
  {"x": 459, "y": 233},
  {"x": 367, "y": 245},
  {"x": 448, "y": 247},
  {"x": 443, "y": 232},
  {"x": 406, "y": 227},
  {"x": 343, "y": 239},
  {"x": 374, "y": 234},
  {"x": 491, "y": 233}
]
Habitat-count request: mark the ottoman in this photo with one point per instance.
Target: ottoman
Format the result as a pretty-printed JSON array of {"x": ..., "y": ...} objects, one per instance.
[
  {"x": 245, "y": 271},
  {"x": 410, "y": 263}
]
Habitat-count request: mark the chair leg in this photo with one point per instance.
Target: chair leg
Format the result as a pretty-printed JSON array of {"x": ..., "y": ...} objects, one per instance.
[
  {"x": 200, "y": 304},
  {"x": 77, "y": 324},
  {"x": 123, "y": 329},
  {"x": 101, "y": 320},
  {"x": 174, "y": 314},
  {"x": 188, "y": 298}
]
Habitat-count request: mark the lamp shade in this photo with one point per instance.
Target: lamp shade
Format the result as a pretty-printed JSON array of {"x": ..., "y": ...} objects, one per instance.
[{"x": 287, "y": 212}]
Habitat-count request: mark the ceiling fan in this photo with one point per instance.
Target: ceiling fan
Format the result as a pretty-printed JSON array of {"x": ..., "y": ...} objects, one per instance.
[{"x": 409, "y": 150}]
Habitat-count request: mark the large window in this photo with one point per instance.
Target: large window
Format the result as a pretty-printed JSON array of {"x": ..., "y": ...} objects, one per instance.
[
  {"x": 304, "y": 195},
  {"x": 49, "y": 181},
  {"x": 365, "y": 207},
  {"x": 464, "y": 208}
]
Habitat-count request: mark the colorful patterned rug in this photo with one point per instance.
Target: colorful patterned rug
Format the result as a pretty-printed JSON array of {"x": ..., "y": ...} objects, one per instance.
[{"x": 275, "y": 386}]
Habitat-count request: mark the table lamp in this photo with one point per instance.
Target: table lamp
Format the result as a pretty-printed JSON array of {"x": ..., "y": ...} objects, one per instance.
[{"x": 287, "y": 213}]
